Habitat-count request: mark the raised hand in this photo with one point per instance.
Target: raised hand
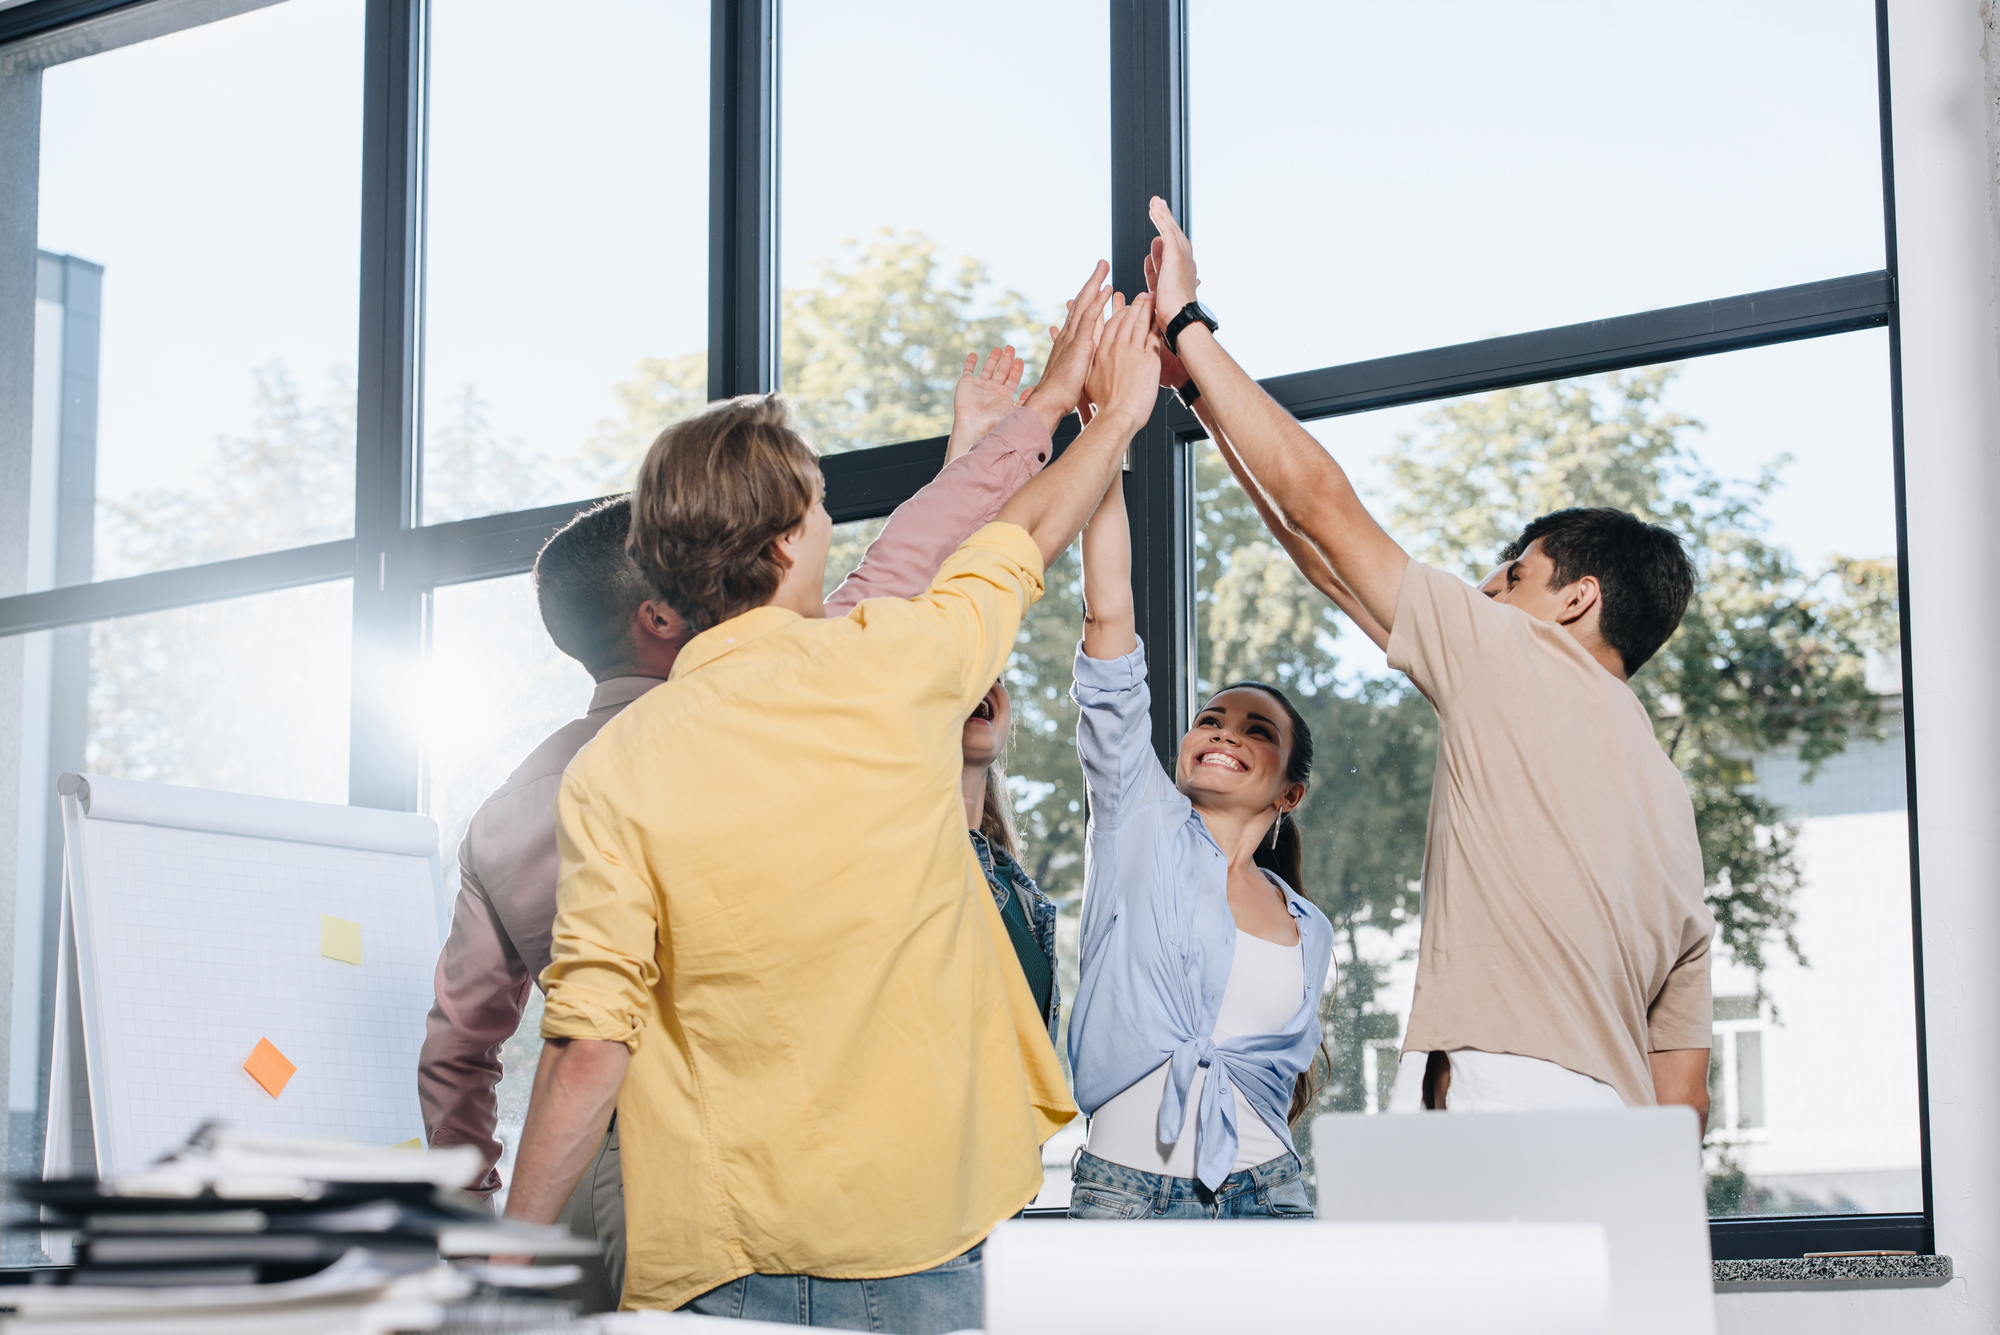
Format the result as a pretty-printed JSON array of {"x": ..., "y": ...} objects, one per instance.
[
  {"x": 1173, "y": 372},
  {"x": 1061, "y": 385},
  {"x": 1125, "y": 373},
  {"x": 1171, "y": 271},
  {"x": 982, "y": 397}
]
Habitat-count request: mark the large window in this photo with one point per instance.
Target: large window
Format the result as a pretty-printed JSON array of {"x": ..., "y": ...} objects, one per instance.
[{"x": 325, "y": 315}]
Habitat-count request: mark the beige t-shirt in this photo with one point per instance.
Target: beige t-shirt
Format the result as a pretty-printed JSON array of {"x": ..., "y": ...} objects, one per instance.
[{"x": 1562, "y": 912}]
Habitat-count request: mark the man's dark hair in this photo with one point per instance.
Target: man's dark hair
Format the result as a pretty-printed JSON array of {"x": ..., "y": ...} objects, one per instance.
[
  {"x": 1642, "y": 568},
  {"x": 588, "y": 587}
]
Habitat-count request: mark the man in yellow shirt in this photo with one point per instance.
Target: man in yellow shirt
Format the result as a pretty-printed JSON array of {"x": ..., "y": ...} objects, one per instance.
[{"x": 771, "y": 931}]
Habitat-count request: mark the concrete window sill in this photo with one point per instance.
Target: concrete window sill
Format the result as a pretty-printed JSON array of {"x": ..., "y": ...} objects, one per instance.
[{"x": 1832, "y": 1272}]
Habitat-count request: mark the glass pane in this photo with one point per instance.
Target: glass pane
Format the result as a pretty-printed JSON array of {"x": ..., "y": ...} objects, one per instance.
[
  {"x": 492, "y": 688},
  {"x": 1044, "y": 779},
  {"x": 249, "y": 695},
  {"x": 566, "y": 255},
  {"x": 1776, "y": 463},
  {"x": 968, "y": 226},
  {"x": 196, "y": 352},
  {"x": 1384, "y": 178}
]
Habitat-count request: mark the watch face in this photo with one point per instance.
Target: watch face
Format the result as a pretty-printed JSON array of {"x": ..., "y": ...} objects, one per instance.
[{"x": 1203, "y": 314}]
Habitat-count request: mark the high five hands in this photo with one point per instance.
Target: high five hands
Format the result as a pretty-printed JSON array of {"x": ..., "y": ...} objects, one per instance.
[
  {"x": 1124, "y": 376},
  {"x": 1061, "y": 387}
]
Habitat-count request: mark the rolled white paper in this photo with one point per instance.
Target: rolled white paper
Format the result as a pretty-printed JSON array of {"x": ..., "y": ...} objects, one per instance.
[
  {"x": 259, "y": 817},
  {"x": 1161, "y": 1277}
]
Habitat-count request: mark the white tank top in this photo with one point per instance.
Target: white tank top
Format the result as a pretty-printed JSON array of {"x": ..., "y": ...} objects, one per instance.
[{"x": 1266, "y": 981}]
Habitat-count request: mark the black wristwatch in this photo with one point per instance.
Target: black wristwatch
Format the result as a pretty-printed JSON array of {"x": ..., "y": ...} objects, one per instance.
[{"x": 1190, "y": 313}]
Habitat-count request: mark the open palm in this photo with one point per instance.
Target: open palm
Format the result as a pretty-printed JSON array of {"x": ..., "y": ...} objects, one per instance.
[{"x": 983, "y": 397}]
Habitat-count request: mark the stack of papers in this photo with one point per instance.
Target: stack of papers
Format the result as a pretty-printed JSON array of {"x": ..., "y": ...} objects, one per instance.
[{"x": 234, "y": 1232}]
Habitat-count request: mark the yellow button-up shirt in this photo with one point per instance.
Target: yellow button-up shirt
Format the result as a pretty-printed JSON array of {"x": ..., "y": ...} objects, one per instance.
[{"x": 768, "y": 895}]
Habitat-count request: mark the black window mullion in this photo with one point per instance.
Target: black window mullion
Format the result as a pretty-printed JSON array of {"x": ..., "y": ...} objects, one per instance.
[
  {"x": 388, "y": 588},
  {"x": 742, "y": 198},
  {"x": 1149, "y": 156}
]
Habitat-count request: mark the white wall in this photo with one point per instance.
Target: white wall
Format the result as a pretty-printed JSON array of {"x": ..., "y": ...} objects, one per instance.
[{"x": 1943, "y": 92}]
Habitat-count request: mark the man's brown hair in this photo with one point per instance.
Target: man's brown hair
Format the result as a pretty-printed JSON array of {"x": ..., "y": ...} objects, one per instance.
[{"x": 715, "y": 492}]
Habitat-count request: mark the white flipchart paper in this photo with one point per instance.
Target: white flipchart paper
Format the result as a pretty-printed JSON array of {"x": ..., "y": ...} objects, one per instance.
[{"x": 197, "y": 932}]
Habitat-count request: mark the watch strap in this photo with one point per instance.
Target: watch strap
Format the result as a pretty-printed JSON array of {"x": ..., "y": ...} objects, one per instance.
[{"x": 1189, "y": 314}]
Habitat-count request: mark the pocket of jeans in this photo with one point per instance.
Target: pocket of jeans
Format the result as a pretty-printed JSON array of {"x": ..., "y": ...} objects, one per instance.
[
  {"x": 1288, "y": 1200},
  {"x": 1096, "y": 1202}
]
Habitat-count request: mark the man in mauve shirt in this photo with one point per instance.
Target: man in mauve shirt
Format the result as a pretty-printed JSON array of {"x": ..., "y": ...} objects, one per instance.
[
  {"x": 598, "y": 610},
  {"x": 1564, "y": 960}
]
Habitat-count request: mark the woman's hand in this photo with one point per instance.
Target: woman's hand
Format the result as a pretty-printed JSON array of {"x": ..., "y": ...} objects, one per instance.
[
  {"x": 1061, "y": 385},
  {"x": 982, "y": 398}
]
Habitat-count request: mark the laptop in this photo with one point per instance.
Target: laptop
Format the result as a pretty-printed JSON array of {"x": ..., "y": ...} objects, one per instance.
[{"x": 1636, "y": 1171}]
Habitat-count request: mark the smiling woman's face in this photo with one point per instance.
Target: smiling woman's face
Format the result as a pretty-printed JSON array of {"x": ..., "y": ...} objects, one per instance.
[
  {"x": 986, "y": 731},
  {"x": 1237, "y": 751}
]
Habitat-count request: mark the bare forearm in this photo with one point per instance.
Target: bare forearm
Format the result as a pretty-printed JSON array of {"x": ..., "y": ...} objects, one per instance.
[
  {"x": 1310, "y": 560},
  {"x": 1109, "y": 628},
  {"x": 576, "y": 1089},
  {"x": 1318, "y": 501},
  {"x": 1055, "y": 504},
  {"x": 1680, "y": 1075}
]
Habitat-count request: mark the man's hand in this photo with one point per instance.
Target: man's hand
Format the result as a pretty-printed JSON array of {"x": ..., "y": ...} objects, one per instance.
[
  {"x": 1061, "y": 385},
  {"x": 1124, "y": 376},
  {"x": 1170, "y": 268},
  {"x": 982, "y": 397},
  {"x": 1054, "y": 504},
  {"x": 1173, "y": 372}
]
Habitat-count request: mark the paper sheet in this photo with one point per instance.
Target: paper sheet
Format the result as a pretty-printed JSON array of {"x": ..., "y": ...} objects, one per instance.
[{"x": 339, "y": 939}]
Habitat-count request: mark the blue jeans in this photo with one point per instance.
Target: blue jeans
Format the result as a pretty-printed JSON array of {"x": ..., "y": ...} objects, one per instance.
[
  {"x": 937, "y": 1301},
  {"x": 1105, "y": 1190}
]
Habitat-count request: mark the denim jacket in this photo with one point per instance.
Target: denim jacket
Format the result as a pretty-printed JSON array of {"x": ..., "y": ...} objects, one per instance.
[{"x": 1001, "y": 872}]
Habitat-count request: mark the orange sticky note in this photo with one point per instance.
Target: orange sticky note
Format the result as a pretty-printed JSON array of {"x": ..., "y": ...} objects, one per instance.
[{"x": 268, "y": 1067}]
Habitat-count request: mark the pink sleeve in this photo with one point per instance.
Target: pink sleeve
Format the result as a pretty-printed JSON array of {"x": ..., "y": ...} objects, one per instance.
[
  {"x": 482, "y": 988},
  {"x": 932, "y": 524}
]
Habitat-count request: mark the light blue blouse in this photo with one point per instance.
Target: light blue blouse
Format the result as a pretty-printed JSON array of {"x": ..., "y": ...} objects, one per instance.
[{"x": 1159, "y": 940}]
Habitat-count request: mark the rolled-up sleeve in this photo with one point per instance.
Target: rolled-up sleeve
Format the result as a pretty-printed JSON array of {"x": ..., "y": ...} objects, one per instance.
[
  {"x": 978, "y": 600},
  {"x": 1114, "y": 734},
  {"x": 935, "y": 522},
  {"x": 604, "y": 961}
]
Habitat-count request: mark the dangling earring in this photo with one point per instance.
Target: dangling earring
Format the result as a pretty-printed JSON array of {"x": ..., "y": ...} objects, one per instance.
[{"x": 1275, "y": 826}]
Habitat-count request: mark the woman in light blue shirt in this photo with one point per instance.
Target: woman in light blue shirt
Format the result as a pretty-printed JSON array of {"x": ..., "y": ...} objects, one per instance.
[{"x": 1197, "y": 1019}]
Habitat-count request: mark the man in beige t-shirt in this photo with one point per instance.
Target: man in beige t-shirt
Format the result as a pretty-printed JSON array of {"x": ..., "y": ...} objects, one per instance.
[{"x": 1564, "y": 957}]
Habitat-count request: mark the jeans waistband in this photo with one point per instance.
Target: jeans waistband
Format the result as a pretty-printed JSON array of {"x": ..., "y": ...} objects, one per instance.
[{"x": 1087, "y": 1167}]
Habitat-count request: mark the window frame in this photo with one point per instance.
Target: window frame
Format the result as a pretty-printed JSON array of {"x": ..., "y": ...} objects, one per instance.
[{"x": 395, "y": 563}]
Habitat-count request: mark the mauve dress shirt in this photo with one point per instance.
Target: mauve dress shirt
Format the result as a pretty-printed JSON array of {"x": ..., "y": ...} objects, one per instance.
[{"x": 508, "y": 867}]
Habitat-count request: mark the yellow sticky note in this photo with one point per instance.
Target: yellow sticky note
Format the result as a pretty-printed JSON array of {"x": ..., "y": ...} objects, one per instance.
[
  {"x": 339, "y": 939},
  {"x": 413, "y": 1143},
  {"x": 269, "y": 1067}
]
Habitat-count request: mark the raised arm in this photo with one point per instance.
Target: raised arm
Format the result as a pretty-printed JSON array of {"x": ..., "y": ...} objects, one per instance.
[
  {"x": 1310, "y": 560},
  {"x": 963, "y": 499},
  {"x": 1109, "y": 630},
  {"x": 982, "y": 398},
  {"x": 1311, "y": 492},
  {"x": 1053, "y": 507}
]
